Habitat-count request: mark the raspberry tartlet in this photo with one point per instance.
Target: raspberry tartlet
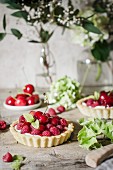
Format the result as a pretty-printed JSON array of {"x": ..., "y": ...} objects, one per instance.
[
  {"x": 99, "y": 105},
  {"x": 40, "y": 130}
]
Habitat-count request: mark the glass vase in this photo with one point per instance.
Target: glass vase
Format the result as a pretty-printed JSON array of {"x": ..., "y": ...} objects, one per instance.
[
  {"x": 48, "y": 69},
  {"x": 95, "y": 75}
]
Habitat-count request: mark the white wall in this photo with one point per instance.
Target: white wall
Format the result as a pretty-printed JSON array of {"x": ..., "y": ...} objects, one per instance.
[{"x": 19, "y": 60}]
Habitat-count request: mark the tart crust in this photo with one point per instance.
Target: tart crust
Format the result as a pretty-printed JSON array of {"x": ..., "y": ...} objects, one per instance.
[
  {"x": 41, "y": 141},
  {"x": 106, "y": 113}
]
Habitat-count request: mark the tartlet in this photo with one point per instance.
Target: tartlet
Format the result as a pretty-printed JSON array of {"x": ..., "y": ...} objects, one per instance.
[
  {"x": 39, "y": 140},
  {"x": 106, "y": 113}
]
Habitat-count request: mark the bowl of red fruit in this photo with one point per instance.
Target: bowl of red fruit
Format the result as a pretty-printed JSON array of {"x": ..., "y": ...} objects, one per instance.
[
  {"x": 99, "y": 105},
  {"x": 38, "y": 129},
  {"x": 26, "y": 100}
]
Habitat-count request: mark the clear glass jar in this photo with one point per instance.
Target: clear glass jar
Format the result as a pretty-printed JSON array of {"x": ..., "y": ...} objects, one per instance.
[
  {"x": 95, "y": 75},
  {"x": 48, "y": 73}
]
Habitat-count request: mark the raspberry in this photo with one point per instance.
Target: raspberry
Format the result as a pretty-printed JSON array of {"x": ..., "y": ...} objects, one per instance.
[
  {"x": 54, "y": 130},
  {"x": 60, "y": 127},
  {"x": 25, "y": 129},
  {"x": 22, "y": 119},
  {"x": 35, "y": 132},
  {"x": 2, "y": 125},
  {"x": 61, "y": 109},
  {"x": 7, "y": 157},
  {"x": 48, "y": 126},
  {"x": 46, "y": 133},
  {"x": 63, "y": 122},
  {"x": 55, "y": 121},
  {"x": 41, "y": 128},
  {"x": 43, "y": 119},
  {"x": 38, "y": 114},
  {"x": 20, "y": 126},
  {"x": 52, "y": 112}
]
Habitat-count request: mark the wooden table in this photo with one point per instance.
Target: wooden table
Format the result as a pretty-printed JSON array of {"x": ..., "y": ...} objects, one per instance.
[{"x": 68, "y": 156}]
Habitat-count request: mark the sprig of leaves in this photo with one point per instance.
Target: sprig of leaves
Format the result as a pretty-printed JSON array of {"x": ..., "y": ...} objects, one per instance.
[
  {"x": 30, "y": 118},
  {"x": 92, "y": 128},
  {"x": 17, "y": 162}
]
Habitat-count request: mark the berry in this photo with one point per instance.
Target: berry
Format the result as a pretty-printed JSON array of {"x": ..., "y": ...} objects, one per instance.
[
  {"x": 41, "y": 128},
  {"x": 54, "y": 130},
  {"x": 89, "y": 102},
  {"x": 32, "y": 113},
  {"x": 38, "y": 114},
  {"x": 48, "y": 126},
  {"x": 43, "y": 119},
  {"x": 29, "y": 88},
  {"x": 25, "y": 129},
  {"x": 20, "y": 126},
  {"x": 55, "y": 121},
  {"x": 22, "y": 95},
  {"x": 10, "y": 101},
  {"x": 35, "y": 132},
  {"x": 61, "y": 109},
  {"x": 52, "y": 112},
  {"x": 95, "y": 103},
  {"x": 2, "y": 125},
  {"x": 46, "y": 133},
  {"x": 7, "y": 157},
  {"x": 22, "y": 119},
  {"x": 20, "y": 101},
  {"x": 47, "y": 114},
  {"x": 30, "y": 100},
  {"x": 36, "y": 98},
  {"x": 63, "y": 122},
  {"x": 60, "y": 127},
  {"x": 103, "y": 98}
]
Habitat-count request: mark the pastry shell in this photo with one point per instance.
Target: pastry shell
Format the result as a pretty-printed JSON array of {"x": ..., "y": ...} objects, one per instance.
[
  {"x": 97, "y": 112},
  {"x": 41, "y": 141}
]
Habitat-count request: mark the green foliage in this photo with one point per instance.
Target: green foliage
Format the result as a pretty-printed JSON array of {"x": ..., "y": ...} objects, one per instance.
[
  {"x": 16, "y": 33},
  {"x": 92, "y": 128},
  {"x": 20, "y": 14},
  {"x": 17, "y": 162},
  {"x": 4, "y": 22},
  {"x": 91, "y": 28},
  {"x": 101, "y": 51},
  {"x": 2, "y": 36}
]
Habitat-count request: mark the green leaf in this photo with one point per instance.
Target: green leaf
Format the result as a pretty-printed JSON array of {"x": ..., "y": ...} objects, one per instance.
[
  {"x": 20, "y": 14},
  {"x": 29, "y": 117},
  {"x": 18, "y": 157},
  {"x": 2, "y": 36},
  {"x": 14, "y": 6},
  {"x": 35, "y": 124},
  {"x": 96, "y": 95},
  {"x": 91, "y": 28},
  {"x": 101, "y": 51},
  {"x": 16, "y": 33},
  {"x": 4, "y": 22},
  {"x": 16, "y": 165}
]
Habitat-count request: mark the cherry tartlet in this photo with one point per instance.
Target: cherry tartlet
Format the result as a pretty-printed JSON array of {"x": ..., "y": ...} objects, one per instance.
[
  {"x": 99, "y": 105},
  {"x": 40, "y": 130}
]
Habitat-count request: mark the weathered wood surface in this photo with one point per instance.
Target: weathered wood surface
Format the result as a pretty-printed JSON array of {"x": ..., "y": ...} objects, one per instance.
[{"x": 68, "y": 156}]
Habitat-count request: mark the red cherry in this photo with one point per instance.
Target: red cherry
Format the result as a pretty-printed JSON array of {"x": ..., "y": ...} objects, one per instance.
[
  {"x": 10, "y": 101},
  {"x": 7, "y": 157},
  {"x": 38, "y": 114},
  {"x": 43, "y": 119},
  {"x": 103, "y": 98},
  {"x": 30, "y": 100},
  {"x": 20, "y": 101},
  {"x": 29, "y": 88},
  {"x": 36, "y": 98},
  {"x": 22, "y": 95},
  {"x": 95, "y": 103},
  {"x": 89, "y": 102},
  {"x": 52, "y": 112},
  {"x": 32, "y": 113},
  {"x": 61, "y": 109},
  {"x": 3, "y": 125}
]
